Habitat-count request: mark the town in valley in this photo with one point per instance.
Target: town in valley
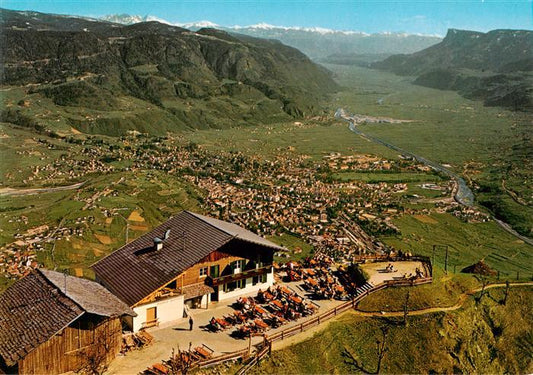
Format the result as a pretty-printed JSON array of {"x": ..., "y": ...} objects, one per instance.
[{"x": 208, "y": 198}]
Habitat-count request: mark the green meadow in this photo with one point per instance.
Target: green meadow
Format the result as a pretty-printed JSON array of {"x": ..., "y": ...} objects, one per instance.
[
  {"x": 476, "y": 141},
  {"x": 485, "y": 337},
  {"x": 487, "y": 145}
]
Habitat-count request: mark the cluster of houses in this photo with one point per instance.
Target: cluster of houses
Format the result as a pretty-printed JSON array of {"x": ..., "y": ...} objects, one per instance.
[
  {"x": 189, "y": 261},
  {"x": 270, "y": 197},
  {"x": 364, "y": 162},
  {"x": 15, "y": 262},
  {"x": 466, "y": 214},
  {"x": 20, "y": 256},
  {"x": 289, "y": 199},
  {"x": 54, "y": 323}
]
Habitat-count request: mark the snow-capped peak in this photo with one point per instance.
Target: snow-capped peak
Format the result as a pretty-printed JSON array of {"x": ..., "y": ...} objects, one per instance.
[
  {"x": 157, "y": 19},
  {"x": 125, "y": 19},
  {"x": 318, "y": 30},
  {"x": 198, "y": 24},
  {"x": 262, "y": 26}
]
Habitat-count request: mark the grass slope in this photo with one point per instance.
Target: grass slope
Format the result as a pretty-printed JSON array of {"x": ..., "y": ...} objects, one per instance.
[
  {"x": 468, "y": 243},
  {"x": 479, "y": 338},
  {"x": 154, "y": 195}
]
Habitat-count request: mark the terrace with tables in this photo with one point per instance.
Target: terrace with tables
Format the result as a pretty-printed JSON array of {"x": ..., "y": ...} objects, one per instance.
[
  {"x": 177, "y": 336},
  {"x": 310, "y": 288},
  {"x": 379, "y": 272}
]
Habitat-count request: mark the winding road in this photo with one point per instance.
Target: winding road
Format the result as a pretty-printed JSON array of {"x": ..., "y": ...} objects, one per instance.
[
  {"x": 463, "y": 195},
  {"x": 11, "y": 191}
]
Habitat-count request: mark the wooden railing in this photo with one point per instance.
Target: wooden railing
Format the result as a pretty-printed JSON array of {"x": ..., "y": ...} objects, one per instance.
[
  {"x": 266, "y": 349},
  {"x": 288, "y": 332},
  {"x": 244, "y": 354},
  {"x": 239, "y": 276}
]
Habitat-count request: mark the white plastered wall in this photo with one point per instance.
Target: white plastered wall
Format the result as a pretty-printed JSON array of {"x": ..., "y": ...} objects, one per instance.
[
  {"x": 248, "y": 289},
  {"x": 168, "y": 310}
]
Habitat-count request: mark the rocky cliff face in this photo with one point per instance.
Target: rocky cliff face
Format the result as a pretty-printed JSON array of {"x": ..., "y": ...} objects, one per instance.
[
  {"x": 494, "y": 51},
  {"x": 495, "y": 66},
  {"x": 79, "y": 62}
]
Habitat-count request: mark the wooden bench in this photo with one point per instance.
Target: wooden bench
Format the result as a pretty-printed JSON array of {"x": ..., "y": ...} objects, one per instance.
[
  {"x": 157, "y": 369},
  {"x": 296, "y": 300},
  {"x": 150, "y": 323},
  {"x": 262, "y": 326},
  {"x": 260, "y": 310},
  {"x": 204, "y": 351}
]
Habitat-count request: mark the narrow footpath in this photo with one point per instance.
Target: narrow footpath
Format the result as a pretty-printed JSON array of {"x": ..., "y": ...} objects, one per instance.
[{"x": 460, "y": 302}]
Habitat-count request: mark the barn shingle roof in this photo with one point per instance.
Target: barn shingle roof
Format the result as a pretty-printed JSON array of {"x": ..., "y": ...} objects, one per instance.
[
  {"x": 35, "y": 308},
  {"x": 91, "y": 296},
  {"x": 136, "y": 269}
]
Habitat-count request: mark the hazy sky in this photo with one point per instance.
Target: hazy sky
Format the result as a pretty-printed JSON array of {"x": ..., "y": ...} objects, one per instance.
[{"x": 428, "y": 17}]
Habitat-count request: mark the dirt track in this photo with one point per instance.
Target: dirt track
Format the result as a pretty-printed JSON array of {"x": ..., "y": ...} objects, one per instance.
[
  {"x": 11, "y": 191},
  {"x": 462, "y": 299}
]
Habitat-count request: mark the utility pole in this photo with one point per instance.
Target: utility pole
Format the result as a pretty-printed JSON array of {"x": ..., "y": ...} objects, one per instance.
[
  {"x": 507, "y": 285},
  {"x": 406, "y": 309},
  {"x": 446, "y": 261},
  {"x": 65, "y": 272},
  {"x": 126, "y": 220}
]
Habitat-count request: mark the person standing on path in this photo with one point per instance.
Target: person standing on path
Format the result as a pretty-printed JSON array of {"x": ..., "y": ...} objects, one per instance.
[{"x": 191, "y": 322}]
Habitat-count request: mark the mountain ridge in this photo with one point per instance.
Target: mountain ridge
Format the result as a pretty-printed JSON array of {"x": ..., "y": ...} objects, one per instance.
[
  {"x": 316, "y": 42},
  {"x": 495, "y": 67},
  {"x": 194, "y": 79}
]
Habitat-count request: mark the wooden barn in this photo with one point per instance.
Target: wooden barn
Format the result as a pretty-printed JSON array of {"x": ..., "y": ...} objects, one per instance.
[
  {"x": 190, "y": 260},
  {"x": 51, "y": 323}
]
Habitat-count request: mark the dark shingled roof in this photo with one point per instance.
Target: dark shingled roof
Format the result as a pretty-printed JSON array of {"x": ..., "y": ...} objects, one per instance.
[
  {"x": 35, "y": 308},
  {"x": 196, "y": 290},
  {"x": 91, "y": 296},
  {"x": 136, "y": 270}
]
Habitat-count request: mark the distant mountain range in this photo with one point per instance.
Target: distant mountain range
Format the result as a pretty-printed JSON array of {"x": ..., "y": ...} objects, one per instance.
[
  {"x": 315, "y": 42},
  {"x": 495, "y": 66},
  {"x": 154, "y": 77}
]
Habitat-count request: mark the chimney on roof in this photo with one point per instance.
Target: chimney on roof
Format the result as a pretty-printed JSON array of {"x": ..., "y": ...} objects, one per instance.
[
  {"x": 167, "y": 234},
  {"x": 158, "y": 244}
]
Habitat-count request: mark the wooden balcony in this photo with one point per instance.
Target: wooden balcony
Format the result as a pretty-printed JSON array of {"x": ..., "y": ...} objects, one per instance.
[{"x": 238, "y": 276}]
